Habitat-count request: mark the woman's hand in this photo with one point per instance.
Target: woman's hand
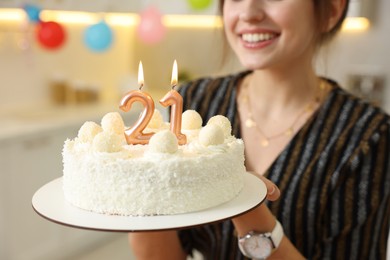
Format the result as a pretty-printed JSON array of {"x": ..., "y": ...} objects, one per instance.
[
  {"x": 262, "y": 220},
  {"x": 273, "y": 191},
  {"x": 250, "y": 220}
]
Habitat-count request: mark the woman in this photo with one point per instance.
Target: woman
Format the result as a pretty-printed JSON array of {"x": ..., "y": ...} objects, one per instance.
[{"x": 327, "y": 151}]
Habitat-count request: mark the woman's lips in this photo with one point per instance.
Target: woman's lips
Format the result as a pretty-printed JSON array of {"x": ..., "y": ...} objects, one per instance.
[{"x": 258, "y": 39}]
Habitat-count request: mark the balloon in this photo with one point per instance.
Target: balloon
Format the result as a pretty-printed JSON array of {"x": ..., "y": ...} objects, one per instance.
[
  {"x": 50, "y": 35},
  {"x": 98, "y": 37},
  {"x": 199, "y": 4},
  {"x": 151, "y": 29},
  {"x": 33, "y": 12}
]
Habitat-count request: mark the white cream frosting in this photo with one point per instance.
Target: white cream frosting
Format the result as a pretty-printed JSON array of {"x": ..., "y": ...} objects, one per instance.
[{"x": 138, "y": 180}]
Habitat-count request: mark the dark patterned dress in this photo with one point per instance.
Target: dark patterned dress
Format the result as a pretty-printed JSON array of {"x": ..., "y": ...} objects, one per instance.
[{"x": 334, "y": 177}]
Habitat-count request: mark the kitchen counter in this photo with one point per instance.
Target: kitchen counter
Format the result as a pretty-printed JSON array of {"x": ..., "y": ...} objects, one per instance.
[
  {"x": 19, "y": 122},
  {"x": 31, "y": 141}
]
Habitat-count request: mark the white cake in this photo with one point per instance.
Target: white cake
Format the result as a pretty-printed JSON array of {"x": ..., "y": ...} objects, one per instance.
[{"x": 103, "y": 174}]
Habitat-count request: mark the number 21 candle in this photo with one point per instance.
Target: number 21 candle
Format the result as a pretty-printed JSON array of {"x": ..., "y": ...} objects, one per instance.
[{"x": 135, "y": 135}]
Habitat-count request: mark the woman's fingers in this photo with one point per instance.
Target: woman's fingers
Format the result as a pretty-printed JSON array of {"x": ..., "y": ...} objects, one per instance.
[{"x": 273, "y": 191}]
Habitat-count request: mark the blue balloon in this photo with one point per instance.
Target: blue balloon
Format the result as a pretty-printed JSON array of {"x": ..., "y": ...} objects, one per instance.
[
  {"x": 33, "y": 12},
  {"x": 98, "y": 37}
]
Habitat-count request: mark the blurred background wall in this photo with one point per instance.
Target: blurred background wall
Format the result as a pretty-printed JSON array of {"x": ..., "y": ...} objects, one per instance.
[{"x": 46, "y": 94}]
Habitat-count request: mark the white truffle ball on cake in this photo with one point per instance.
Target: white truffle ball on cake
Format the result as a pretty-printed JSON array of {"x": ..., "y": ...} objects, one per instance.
[
  {"x": 211, "y": 135},
  {"x": 191, "y": 124},
  {"x": 113, "y": 122},
  {"x": 108, "y": 142},
  {"x": 88, "y": 131},
  {"x": 223, "y": 123},
  {"x": 163, "y": 142},
  {"x": 156, "y": 123}
]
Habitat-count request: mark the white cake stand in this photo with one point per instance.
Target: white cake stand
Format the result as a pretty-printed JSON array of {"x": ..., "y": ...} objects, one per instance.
[{"x": 49, "y": 202}]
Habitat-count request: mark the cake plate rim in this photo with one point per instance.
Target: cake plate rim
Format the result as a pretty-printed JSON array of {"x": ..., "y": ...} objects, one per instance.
[{"x": 49, "y": 203}]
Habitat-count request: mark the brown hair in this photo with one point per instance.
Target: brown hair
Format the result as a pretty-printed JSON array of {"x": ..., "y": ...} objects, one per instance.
[{"x": 322, "y": 9}]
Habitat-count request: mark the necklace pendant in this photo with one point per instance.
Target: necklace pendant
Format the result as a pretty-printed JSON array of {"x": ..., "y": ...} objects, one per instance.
[
  {"x": 264, "y": 142},
  {"x": 250, "y": 123},
  {"x": 310, "y": 108},
  {"x": 289, "y": 132}
]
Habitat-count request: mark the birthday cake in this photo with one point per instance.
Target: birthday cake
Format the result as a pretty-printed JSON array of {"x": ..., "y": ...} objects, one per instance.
[{"x": 104, "y": 174}]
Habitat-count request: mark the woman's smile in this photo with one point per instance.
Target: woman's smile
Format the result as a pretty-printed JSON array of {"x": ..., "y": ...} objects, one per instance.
[
  {"x": 267, "y": 35},
  {"x": 255, "y": 40}
]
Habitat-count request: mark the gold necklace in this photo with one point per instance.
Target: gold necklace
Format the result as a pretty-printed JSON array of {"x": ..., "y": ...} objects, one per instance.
[{"x": 251, "y": 123}]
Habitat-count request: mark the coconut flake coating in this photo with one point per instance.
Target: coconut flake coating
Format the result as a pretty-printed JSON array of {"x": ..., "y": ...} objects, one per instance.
[{"x": 140, "y": 181}]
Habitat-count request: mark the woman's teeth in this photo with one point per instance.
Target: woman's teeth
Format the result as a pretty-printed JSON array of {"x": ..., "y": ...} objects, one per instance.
[{"x": 257, "y": 37}]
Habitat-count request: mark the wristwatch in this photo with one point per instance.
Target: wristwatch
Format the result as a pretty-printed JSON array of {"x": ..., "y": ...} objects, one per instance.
[{"x": 260, "y": 245}]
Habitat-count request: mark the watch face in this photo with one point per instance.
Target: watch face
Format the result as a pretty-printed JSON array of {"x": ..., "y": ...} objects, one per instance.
[{"x": 258, "y": 247}]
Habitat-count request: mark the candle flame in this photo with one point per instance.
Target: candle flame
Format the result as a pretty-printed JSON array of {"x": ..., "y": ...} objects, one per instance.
[
  {"x": 174, "y": 74},
  {"x": 140, "y": 75}
]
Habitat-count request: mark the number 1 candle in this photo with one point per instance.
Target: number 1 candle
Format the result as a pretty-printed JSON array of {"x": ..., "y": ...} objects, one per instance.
[{"x": 174, "y": 99}]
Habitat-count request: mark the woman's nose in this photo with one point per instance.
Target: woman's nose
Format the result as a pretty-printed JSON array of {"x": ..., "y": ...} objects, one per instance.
[{"x": 252, "y": 10}]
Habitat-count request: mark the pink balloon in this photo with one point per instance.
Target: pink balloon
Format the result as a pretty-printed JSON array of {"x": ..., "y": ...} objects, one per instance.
[{"x": 151, "y": 29}]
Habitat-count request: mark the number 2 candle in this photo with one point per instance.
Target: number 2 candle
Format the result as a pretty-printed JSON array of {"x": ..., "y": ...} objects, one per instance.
[{"x": 134, "y": 135}]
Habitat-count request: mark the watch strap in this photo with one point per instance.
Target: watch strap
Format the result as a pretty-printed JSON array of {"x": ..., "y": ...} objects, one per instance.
[{"x": 277, "y": 234}]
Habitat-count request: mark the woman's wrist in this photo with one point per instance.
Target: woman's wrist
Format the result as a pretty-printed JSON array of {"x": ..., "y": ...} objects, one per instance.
[
  {"x": 262, "y": 220},
  {"x": 250, "y": 221}
]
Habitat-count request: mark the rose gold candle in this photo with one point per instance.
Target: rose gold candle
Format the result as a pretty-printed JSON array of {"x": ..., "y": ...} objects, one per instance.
[
  {"x": 135, "y": 135},
  {"x": 174, "y": 99}
]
